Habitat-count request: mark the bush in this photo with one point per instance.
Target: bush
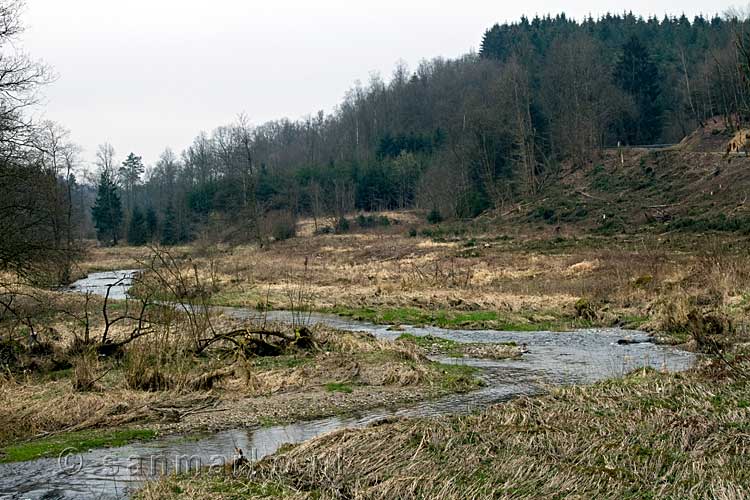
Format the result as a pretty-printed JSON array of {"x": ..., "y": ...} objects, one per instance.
[
  {"x": 342, "y": 225},
  {"x": 284, "y": 229},
  {"x": 372, "y": 221},
  {"x": 412, "y": 232},
  {"x": 545, "y": 213},
  {"x": 86, "y": 371},
  {"x": 472, "y": 204},
  {"x": 279, "y": 225},
  {"x": 585, "y": 310},
  {"x": 434, "y": 216}
]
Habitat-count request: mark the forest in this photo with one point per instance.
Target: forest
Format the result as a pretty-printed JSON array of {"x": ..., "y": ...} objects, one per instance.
[{"x": 455, "y": 137}]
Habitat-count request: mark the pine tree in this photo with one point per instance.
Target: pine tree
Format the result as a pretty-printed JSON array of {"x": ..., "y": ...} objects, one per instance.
[
  {"x": 152, "y": 224},
  {"x": 638, "y": 75},
  {"x": 107, "y": 210},
  {"x": 169, "y": 231},
  {"x": 137, "y": 229},
  {"x": 130, "y": 175}
]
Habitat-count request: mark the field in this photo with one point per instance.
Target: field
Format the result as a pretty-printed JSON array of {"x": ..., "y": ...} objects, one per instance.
[
  {"x": 648, "y": 434},
  {"x": 475, "y": 276}
]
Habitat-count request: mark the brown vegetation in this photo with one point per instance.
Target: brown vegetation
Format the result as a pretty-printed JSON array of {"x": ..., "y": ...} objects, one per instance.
[
  {"x": 648, "y": 434},
  {"x": 521, "y": 279}
]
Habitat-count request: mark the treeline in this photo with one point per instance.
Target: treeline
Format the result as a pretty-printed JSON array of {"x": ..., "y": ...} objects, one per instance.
[
  {"x": 459, "y": 136},
  {"x": 43, "y": 207}
]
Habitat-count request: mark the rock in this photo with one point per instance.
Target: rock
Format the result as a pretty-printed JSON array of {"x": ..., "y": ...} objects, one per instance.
[{"x": 629, "y": 341}]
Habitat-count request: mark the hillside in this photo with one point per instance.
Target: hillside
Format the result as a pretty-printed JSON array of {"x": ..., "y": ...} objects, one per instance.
[{"x": 693, "y": 186}]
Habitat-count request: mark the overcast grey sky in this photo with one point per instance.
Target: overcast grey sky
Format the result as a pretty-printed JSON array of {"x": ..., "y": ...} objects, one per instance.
[{"x": 146, "y": 74}]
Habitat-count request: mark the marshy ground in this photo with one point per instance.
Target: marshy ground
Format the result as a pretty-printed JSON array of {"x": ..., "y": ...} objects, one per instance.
[
  {"x": 647, "y": 435},
  {"x": 62, "y": 392}
]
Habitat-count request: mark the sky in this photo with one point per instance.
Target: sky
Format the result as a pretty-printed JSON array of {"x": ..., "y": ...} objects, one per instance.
[{"x": 144, "y": 75}]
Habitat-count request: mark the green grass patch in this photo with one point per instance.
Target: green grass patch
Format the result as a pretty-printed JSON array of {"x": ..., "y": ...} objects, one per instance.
[
  {"x": 458, "y": 378},
  {"x": 633, "y": 322},
  {"x": 457, "y": 319},
  {"x": 429, "y": 341},
  {"x": 281, "y": 362},
  {"x": 339, "y": 387},
  {"x": 82, "y": 440}
]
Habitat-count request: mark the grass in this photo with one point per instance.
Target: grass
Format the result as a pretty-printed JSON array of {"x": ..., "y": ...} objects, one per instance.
[
  {"x": 646, "y": 435},
  {"x": 458, "y": 378},
  {"x": 440, "y": 346},
  {"x": 52, "y": 446},
  {"x": 219, "y": 486},
  {"x": 339, "y": 387},
  {"x": 446, "y": 318},
  {"x": 280, "y": 362},
  {"x": 430, "y": 342}
]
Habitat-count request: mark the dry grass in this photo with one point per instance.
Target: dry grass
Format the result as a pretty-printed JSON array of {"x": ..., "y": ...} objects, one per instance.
[
  {"x": 30, "y": 409},
  {"x": 524, "y": 279},
  {"x": 356, "y": 359},
  {"x": 647, "y": 435},
  {"x": 160, "y": 371}
]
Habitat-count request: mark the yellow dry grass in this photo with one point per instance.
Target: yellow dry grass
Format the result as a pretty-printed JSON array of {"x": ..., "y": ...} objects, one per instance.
[
  {"x": 528, "y": 276},
  {"x": 648, "y": 435}
]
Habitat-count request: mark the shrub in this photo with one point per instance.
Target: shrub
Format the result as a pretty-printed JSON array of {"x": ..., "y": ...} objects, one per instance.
[
  {"x": 280, "y": 225},
  {"x": 367, "y": 221},
  {"x": 545, "y": 213},
  {"x": 342, "y": 225},
  {"x": 323, "y": 230},
  {"x": 434, "y": 216},
  {"x": 472, "y": 204},
  {"x": 85, "y": 371},
  {"x": 585, "y": 309},
  {"x": 284, "y": 230}
]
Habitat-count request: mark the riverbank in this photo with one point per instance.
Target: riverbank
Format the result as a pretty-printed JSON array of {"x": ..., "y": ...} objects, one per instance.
[
  {"x": 47, "y": 410},
  {"x": 648, "y": 434}
]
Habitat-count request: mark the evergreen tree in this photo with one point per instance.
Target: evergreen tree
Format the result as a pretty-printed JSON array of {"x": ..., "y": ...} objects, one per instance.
[
  {"x": 130, "y": 175},
  {"x": 138, "y": 228},
  {"x": 638, "y": 76},
  {"x": 107, "y": 210},
  {"x": 170, "y": 231},
  {"x": 152, "y": 224}
]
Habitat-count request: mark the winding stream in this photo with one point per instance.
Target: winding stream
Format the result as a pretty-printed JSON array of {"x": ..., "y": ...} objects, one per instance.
[{"x": 554, "y": 358}]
